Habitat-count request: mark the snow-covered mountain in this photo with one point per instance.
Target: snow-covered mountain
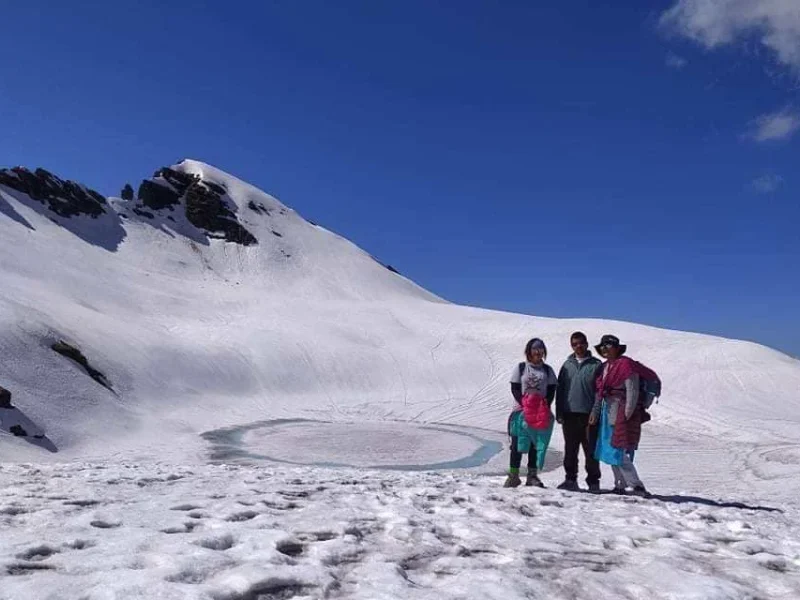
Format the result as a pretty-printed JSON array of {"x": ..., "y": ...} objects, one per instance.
[{"x": 206, "y": 303}]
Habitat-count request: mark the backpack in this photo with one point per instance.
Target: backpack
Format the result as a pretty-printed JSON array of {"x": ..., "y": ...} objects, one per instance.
[{"x": 649, "y": 384}]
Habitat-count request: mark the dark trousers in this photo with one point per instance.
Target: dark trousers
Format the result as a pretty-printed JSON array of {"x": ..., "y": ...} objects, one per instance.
[
  {"x": 577, "y": 435},
  {"x": 516, "y": 456}
]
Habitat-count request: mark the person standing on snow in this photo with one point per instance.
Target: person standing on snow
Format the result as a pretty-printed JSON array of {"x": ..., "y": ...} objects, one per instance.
[
  {"x": 574, "y": 403},
  {"x": 619, "y": 414},
  {"x": 529, "y": 379}
]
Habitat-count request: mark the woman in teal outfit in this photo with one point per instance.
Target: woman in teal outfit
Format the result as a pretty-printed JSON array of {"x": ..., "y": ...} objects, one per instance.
[{"x": 533, "y": 376}]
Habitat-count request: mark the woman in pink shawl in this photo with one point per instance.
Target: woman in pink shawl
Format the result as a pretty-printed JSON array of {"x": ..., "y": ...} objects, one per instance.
[{"x": 620, "y": 414}]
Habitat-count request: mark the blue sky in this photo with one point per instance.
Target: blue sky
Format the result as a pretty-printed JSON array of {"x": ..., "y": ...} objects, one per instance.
[{"x": 559, "y": 159}]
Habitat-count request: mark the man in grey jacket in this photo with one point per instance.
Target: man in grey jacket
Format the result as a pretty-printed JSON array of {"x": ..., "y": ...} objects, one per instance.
[{"x": 574, "y": 401}]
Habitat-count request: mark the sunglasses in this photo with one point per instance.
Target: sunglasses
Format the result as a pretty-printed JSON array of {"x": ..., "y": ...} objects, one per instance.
[{"x": 579, "y": 343}]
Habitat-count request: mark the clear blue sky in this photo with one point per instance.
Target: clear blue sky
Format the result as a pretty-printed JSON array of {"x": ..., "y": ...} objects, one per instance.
[{"x": 562, "y": 159}]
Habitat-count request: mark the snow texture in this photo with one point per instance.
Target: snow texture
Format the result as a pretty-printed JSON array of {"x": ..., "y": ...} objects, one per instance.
[{"x": 126, "y": 530}]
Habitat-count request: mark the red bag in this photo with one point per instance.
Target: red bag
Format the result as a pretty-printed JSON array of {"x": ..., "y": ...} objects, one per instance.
[{"x": 536, "y": 411}]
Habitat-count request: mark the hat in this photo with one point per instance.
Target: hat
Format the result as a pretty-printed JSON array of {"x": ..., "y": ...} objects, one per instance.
[{"x": 610, "y": 340}]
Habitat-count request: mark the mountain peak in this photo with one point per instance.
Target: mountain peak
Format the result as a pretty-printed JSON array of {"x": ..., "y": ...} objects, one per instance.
[{"x": 206, "y": 202}]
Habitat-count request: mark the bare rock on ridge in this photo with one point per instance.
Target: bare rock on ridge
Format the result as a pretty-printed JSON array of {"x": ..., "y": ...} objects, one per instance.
[
  {"x": 65, "y": 198},
  {"x": 203, "y": 201}
]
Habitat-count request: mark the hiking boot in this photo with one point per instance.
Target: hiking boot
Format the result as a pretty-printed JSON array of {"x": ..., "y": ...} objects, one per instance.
[
  {"x": 512, "y": 480},
  {"x": 594, "y": 488},
  {"x": 640, "y": 491},
  {"x": 619, "y": 491},
  {"x": 569, "y": 485},
  {"x": 532, "y": 480}
]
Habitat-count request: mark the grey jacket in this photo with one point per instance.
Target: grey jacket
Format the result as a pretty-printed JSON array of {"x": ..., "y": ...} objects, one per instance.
[{"x": 576, "y": 388}]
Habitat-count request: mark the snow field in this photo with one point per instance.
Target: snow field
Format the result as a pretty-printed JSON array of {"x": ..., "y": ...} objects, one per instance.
[{"x": 101, "y": 531}]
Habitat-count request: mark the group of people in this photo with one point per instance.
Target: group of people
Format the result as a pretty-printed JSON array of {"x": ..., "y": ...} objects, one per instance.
[{"x": 599, "y": 406}]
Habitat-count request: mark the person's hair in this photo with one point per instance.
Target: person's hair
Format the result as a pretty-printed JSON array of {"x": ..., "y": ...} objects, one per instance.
[
  {"x": 528, "y": 346},
  {"x": 579, "y": 335}
]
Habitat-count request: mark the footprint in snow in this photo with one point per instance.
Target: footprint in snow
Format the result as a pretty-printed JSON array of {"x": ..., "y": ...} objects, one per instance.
[
  {"x": 599, "y": 562},
  {"x": 317, "y": 536},
  {"x": 294, "y": 493},
  {"x": 82, "y": 503},
  {"x": 13, "y": 511},
  {"x": 100, "y": 524},
  {"x": 556, "y": 503},
  {"x": 219, "y": 543},
  {"x": 275, "y": 588},
  {"x": 185, "y": 507},
  {"x": 245, "y": 515},
  {"x": 79, "y": 544},
  {"x": 27, "y": 568},
  {"x": 187, "y": 527},
  {"x": 290, "y": 547},
  {"x": 280, "y": 505},
  {"x": 192, "y": 574},
  {"x": 38, "y": 553}
]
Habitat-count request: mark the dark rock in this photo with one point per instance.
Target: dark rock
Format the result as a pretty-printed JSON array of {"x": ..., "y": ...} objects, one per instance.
[
  {"x": 156, "y": 196},
  {"x": 71, "y": 352},
  {"x": 179, "y": 181},
  {"x": 205, "y": 209},
  {"x": 5, "y": 398},
  {"x": 392, "y": 269},
  {"x": 144, "y": 213},
  {"x": 127, "y": 192},
  {"x": 215, "y": 187},
  {"x": 275, "y": 233},
  {"x": 259, "y": 208},
  {"x": 65, "y": 198},
  {"x": 18, "y": 431},
  {"x": 203, "y": 202}
]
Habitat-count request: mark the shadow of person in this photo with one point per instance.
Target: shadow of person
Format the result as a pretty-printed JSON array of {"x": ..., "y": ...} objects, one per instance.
[{"x": 678, "y": 499}]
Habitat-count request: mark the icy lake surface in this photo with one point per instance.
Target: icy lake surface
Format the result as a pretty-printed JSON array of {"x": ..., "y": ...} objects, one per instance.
[{"x": 399, "y": 446}]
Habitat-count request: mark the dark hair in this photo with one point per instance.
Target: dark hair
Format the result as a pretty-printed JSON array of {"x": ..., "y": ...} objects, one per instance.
[
  {"x": 535, "y": 342},
  {"x": 579, "y": 335}
]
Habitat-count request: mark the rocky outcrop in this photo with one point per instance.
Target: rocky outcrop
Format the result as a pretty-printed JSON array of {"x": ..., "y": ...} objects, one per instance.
[
  {"x": 64, "y": 198},
  {"x": 203, "y": 202},
  {"x": 127, "y": 192},
  {"x": 205, "y": 209},
  {"x": 155, "y": 196},
  {"x": 5, "y": 398},
  {"x": 71, "y": 352}
]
